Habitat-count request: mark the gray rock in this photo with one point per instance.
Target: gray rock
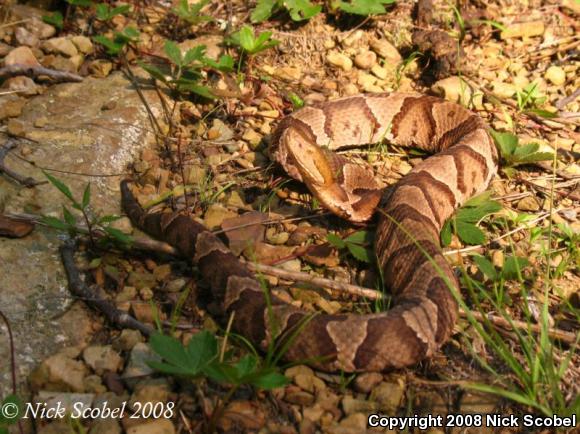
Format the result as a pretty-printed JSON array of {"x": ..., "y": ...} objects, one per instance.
[{"x": 102, "y": 358}]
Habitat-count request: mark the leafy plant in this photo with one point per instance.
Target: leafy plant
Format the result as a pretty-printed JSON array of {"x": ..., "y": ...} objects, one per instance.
[
  {"x": 529, "y": 98},
  {"x": 192, "y": 12},
  {"x": 11, "y": 407},
  {"x": 299, "y": 10},
  {"x": 362, "y": 7},
  {"x": 104, "y": 12},
  {"x": 201, "y": 358},
  {"x": 296, "y": 101},
  {"x": 465, "y": 221},
  {"x": 509, "y": 271},
  {"x": 246, "y": 39},
  {"x": 513, "y": 154},
  {"x": 55, "y": 19},
  {"x": 357, "y": 244},
  {"x": 93, "y": 222},
  {"x": 117, "y": 43},
  {"x": 183, "y": 72}
]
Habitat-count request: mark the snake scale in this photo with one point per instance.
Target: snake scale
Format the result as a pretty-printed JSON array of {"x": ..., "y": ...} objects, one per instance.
[{"x": 407, "y": 246}]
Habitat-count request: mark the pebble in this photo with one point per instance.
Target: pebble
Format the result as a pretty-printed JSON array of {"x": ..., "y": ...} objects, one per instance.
[
  {"x": 60, "y": 45},
  {"x": 252, "y": 138},
  {"x": 453, "y": 89},
  {"x": 497, "y": 258},
  {"x": 39, "y": 28},
  {"x": 351, "y": 405},
  {"x": 367, "y": 381},
  {"x": 389, "y": 395},
  {"x": 11, "y": 108},
  {"x": 151, "y": 390},
  {"x": 84, "y": 44},
  {"x": 523, "y": 30},
  {"x": 386, "y": 50},
  {"x": 365, "y": 59},
  {"x": 59, "y": 372},
  {"x": 127, "y": 340},
  {"x": 102, "y": 358},
  {"x": 528, "y": 203},
  {"x": 216, "y": 214},
  {"x": 503, "y": 90},
  {"x": 21, "y": 56},
  {"x": 339, "y": 60},
  {"x": 25, "y": 37},
  {"x": 288, "y": 73},
  {"x": 137, "y": 366},
  {"x": 556, "y": 75}
]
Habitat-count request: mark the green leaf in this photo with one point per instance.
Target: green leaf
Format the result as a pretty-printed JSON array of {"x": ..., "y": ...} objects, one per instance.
[
  {"x": 486, "y": 267},
  {"x": 68, "y": 217},
  {"x": 446, "y": 233},
  {"x": 336, "y": 241},
  {"x": 173, "y": 52},
  {"x": 543, "y": 113},
  {"x": 246, "y": 38},
  {"x": 532, "y": 158},
  {"x": 118, "y": 235},
  {"x": 302, "y": 9},
  {"x": 246, "y": 366},
  {"x": 153, "y": 71},
  {"x": 296, "y": 101},
  {"x": 113, "y": 48},
  {"x": 526, "y": 149},
  {"x": 86, "y": 196},
  {"x": 120, "y": 10},
  {"x": 61, "y": 186},
  {"x": 55, "y": 19},
  {"x": 202, "y": 349},
  {"x": 224, "y": 64},
  {"x": 197, "y": 89},
  {"x": 173, "y": 352},
  {"x": 263, "y": 10},
  {"x": 194, "y": 54},
  {"x": 359, "y": 252},
  {"x": 55, "y": 223},
  {"x": 83, "y": 3},
  {"x": 506, "y": 142},
  {"x": 469, "y": 233},
  {"x": 359, "y": 237},
  {"x": 109, "y": 219},
  {"x": 364, "y": 7},
  {"x": 102, "y": 12},
  {"x": 270, "y": 380},
  {"x": 511, "y": 267}
]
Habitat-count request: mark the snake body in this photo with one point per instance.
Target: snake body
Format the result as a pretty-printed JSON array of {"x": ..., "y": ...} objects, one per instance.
[{"x": 406, "y": 242}]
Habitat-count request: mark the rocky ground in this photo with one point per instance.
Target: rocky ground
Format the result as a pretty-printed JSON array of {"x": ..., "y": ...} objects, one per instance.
[{"x": 87, "y": 109}]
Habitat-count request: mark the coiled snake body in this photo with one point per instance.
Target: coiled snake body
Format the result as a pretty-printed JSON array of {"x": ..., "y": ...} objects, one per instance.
[{"x": 407, "y": 246}]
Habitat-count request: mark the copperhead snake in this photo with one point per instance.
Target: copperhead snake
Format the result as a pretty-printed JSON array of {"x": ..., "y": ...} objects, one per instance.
[{"x": 407, "y": 236}]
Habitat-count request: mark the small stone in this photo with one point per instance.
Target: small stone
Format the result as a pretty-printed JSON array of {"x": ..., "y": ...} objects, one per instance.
[
  {"x": 556, "y": 75},
  {"x": 151, "y": 390},
  {"x": 294, "y": 395},
  {"x": 379, "y": 71},
  {"x": 389, "y": 395},
  {"x": 102, "y": 358},
  {"x": 288, "y": 73},
  {"x": 84, "y": 44},
  {"x": 352, "y": 405},
  {"x": 386, "y": 50},
  {"x": 298, "y": 370},
  {"x": 39, "y": 28},
  {"x": 162, "y": 272},
  {"x": 276, "y": 238},
  {"x": 242, "y": 416},
  {"x": 339, "y": 60},
  {"x": 100, "y": 68},
  {"x": 152, "y": 426},
  {"x": 252, "y": 138},
  {"x": 175, "y": 285},
  {"x": 293, "y": 265},
  {"x": 25, "y": 37},
  {"x": 196, "y": 175},
  {"x": 16, "y": 127},
  {"x": 453, "y": 89},
  {"x": 145, "y": 312},
  {"x": 21, "y": 56},
  {"x": 128, "y": 293},
  {"x": 41, "y": 122},
  {"x": 365, "y": 60},
  {"x": 523, "y": 30},
  {"x": 12, "y": 108},
  {"x": 528, "y": 203},
  {"x": 309, "y": 383},
  {"x": 60, "y": 45},
  {"x": 357, "y": 422},
  {"x": 503, "y": 90},
  {"x": 137, "y": 366},
  {"x": 105, "y": 426},
  {"x": 127, "y": 340},
  {"x": 366, "y": 382},
  {"x": 59, "y": 372},
  {"x": 216, "y": 214},
  {"x": 497, "y": 258},
  {"x": 220, "y": 131}
]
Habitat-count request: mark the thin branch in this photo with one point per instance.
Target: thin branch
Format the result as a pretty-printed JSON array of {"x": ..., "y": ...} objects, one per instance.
[
  {"x": 38, "y": 71},
  {"x": 81, "y": 290},
  {"x": 24, "y": 180}
]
